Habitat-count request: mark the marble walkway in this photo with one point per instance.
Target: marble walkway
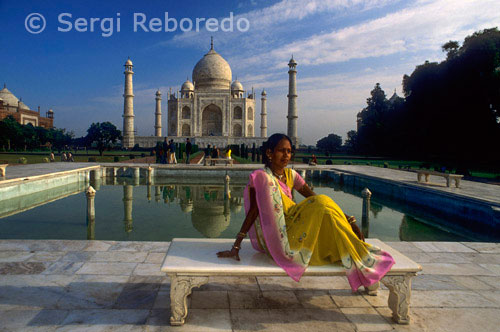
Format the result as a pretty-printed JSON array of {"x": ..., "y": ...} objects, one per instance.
[{"x": 60, "y": 285}]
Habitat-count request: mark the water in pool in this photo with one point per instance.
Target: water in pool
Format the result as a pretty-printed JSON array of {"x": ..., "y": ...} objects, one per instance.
[{"x": 168, "y": 209}]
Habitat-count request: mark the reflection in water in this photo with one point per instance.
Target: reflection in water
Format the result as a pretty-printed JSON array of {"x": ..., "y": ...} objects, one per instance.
[
  {"x": 128, "y": 198},
  {"x": 208, "y": 207},
  {"x": 375, "y": 208},
  {"x": 157, "y": 194},
  {"x": 413, "y": 229},
  {"x": 210, "y": 214},
  {"x": 148, "y": 195}
]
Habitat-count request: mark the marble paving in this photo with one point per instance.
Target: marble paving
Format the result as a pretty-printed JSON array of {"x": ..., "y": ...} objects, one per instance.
[{"x": 54, "y": 285}]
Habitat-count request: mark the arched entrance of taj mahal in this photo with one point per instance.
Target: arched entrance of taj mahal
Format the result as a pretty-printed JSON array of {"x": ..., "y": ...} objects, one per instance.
[{"x": 211, "y": 121}]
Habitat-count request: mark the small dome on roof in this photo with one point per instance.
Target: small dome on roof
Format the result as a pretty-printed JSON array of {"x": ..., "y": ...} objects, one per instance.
[
  {"x": 158, "y": 92},
  {"x": 187, "y": 86},
  {"x": 129, "y": 62},
  {"x": 292, "y": 62},
  {"x": 51, "y": 111},
  {"x": 236, "y": 86},
  {"x": 264, "y": 92}
]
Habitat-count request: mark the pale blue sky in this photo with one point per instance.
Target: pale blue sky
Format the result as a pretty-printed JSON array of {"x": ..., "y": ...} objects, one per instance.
[{"x": 343, "y": 47}]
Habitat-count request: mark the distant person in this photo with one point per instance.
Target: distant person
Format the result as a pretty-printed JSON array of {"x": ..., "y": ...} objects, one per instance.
[
  {"x": 165, "y": 149},
  {"x": 70, "y": 157},
  {"x": 215, "y": 152},
  {"x": 159, "y": 153},
  {"x": 52, "y": 158},
  {"x": 188, "y": 149},
  {"x": 228, "y": 153},
  {"x": 173, "y": 159},
  {"x": 64, "y": 157},
  {"x": 207, "y": 151},
  {"x": 313, "y": 161}
]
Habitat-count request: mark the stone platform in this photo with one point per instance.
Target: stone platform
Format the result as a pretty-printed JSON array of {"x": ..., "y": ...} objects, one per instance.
[{"x": 60, "y": 285}]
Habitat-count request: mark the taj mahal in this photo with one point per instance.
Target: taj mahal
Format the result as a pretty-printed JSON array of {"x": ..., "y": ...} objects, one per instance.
[{"x": 210, "y": 109}]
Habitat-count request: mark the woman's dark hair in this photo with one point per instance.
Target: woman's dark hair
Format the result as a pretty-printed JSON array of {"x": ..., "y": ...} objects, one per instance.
[{"x": 270, "y": 144}]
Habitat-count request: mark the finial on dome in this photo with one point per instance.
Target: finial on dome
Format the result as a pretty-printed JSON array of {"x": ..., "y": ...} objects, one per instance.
[
  {"x": 211, "y": 42},
  {"x": 4, "y": 85}
]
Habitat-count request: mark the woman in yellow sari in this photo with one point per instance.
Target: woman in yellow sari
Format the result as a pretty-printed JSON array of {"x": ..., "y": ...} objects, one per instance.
[{"x": 313, "y": 232}]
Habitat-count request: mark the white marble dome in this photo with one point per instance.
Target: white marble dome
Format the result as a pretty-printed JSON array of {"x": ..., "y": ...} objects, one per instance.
[
  {"x": 187, "y": 86},
  {"x": 236, "y": 86},
  {"x": 8, "y": 97},
  {"x": 212, "y": 71}
]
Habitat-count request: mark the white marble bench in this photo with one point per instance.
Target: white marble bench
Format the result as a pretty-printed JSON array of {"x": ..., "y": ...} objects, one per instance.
[
  {"x": 189, "y": 263},
  {"x": 214, "y": 161},
  {"x": 2, "y": 169},
  {"x": 447, "y": 176}
]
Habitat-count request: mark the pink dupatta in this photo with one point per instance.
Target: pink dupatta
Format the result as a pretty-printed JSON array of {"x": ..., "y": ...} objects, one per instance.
[{"x": 272, "y": 223}]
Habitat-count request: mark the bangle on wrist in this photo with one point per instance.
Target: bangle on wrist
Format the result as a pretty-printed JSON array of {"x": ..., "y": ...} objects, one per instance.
[
  {"x": 351, "y": 220},
  {"x": 241, "y": 234}
]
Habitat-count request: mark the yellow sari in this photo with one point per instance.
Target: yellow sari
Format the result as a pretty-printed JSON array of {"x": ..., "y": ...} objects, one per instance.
[
  {"x": 318, "y": 224},
  {"x": 313, "y": 232}
]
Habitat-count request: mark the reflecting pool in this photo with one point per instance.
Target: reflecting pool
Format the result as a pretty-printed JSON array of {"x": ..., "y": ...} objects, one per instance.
[{"x": 125, "y": 210}]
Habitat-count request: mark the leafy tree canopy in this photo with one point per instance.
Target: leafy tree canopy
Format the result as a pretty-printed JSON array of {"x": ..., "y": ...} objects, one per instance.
[
  {"x": 331, "y": 143},
  {"x": 102, "y": 134}
]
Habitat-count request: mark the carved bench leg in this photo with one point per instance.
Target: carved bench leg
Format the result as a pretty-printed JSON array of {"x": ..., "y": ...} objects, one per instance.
[
  {"x": 373, "y": 289},
  {"x": 2, "y": 171},
  {"x": 399, "y": 296},
  {"x": 419, "y": 177},
  {"x": 447, "y": 181},
  {"x": 180, "y": 288},
  {"x": 457, "y": 183}
]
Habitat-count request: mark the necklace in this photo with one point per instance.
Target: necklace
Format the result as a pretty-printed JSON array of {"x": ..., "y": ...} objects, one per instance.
[{"x": 279, "y": 176}]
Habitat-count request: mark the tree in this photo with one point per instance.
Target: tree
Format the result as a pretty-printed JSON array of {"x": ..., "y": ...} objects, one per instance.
[
  {"x": 103, "y": 134},
  {"x": 30, "y": 137},
  {"x": 451, "y": 48},
  {"x": 60, "y": 138},
  {"x": 351, "y": 144},
  {"x": 331, "y": 143},
  {"x": 11, "y": 133},
  {"x": 372, "y": 121}
]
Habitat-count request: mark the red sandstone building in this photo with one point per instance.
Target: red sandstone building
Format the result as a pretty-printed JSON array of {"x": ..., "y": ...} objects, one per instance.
[{"x": 10, "y": 105}]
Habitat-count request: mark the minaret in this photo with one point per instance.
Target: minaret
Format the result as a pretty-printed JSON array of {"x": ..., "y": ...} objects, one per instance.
[
  {"x": 292, "y": 103},
  {"x": 263, "y": 114},
  {"x": 128, "y": 140},
  {"x": 158, "y": 114}
]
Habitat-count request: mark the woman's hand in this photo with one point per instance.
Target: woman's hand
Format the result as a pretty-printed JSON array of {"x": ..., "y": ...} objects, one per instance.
[
  {"x": 229, "y": 253},
  {"x": 355, "y": 228}
]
